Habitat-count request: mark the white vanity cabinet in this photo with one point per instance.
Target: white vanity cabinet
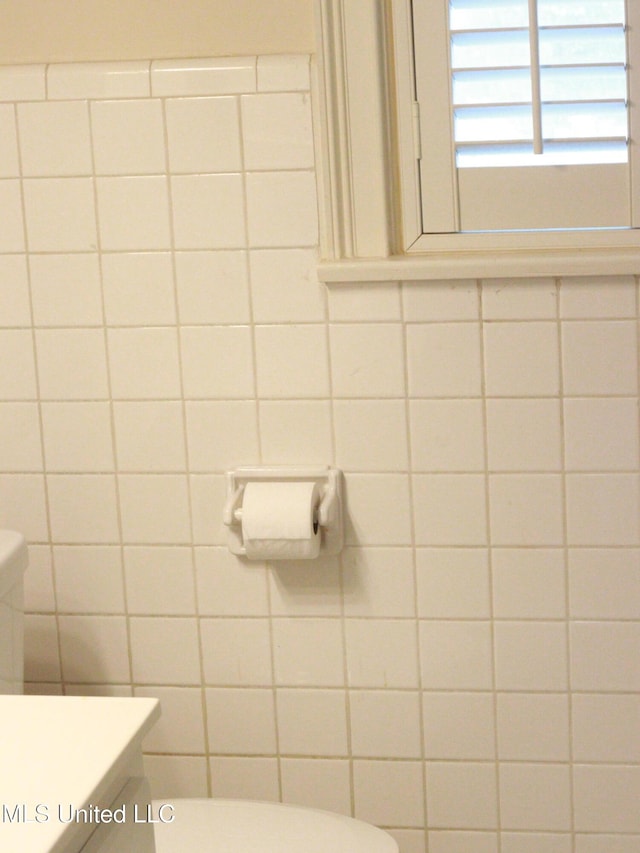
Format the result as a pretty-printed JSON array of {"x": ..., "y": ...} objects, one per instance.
[{"x": 71, "y": 776}]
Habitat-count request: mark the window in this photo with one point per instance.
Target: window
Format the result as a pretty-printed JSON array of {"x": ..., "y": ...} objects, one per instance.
[
  {"x": 525, "y": 109},
  {"x": 504, "y": 145}
]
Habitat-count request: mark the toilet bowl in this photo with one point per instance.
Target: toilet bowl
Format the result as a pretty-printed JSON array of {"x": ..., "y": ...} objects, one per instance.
[{"x": 247, "y": 826}]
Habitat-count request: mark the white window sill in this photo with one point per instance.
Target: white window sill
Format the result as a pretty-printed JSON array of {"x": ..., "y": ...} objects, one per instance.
[{"x": 482, "y": 264}]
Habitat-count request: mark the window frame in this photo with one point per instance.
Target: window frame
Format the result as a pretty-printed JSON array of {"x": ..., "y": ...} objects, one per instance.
[{"x": 367, "y": 174}]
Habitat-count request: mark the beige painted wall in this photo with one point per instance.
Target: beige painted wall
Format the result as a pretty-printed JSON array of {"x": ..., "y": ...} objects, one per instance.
[{"x": 91, "y": 30}]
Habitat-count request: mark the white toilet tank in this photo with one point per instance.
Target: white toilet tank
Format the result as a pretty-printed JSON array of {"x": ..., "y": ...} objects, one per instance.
[{"x": 13, "y": 562}]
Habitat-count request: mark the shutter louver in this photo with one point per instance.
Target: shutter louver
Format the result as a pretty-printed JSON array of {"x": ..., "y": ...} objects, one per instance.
[{"x": 538, "y": 82}]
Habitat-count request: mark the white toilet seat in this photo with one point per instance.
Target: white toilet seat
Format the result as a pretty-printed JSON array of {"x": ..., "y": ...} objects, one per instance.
[{"x": 246, "y": 826}]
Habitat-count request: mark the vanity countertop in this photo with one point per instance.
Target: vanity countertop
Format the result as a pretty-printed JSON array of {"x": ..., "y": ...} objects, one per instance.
[{"x": 59, "y": 754}]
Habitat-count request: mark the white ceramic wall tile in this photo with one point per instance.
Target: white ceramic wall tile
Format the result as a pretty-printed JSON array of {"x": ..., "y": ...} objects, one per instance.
[
  {"x": 220, "y": 435},
  {"x": 89, "y": 579},
  {"x": 212, "y": 287},
  {"x": 456, "y": 655},
  {"x": 149, "y": 436},
  {"x": 295, "y": 591},
  {"x": 54, "y": 139},
  {"x": 292, "y": 361},
  {"x": 606, "y": 798},
  {"x": 208, "y": 493},
  {"x": 461, "y": 795},
  {"x": 94, "y": 650},
  {"x": 65, "y": 290},
  {"x": 41, "y": 649},
  {"x": 295, "y": 649},
  {"x": 533, "y": 727},
  {"x": 164, "y": 650},
  {"x": 440, "y": 301},
  {"x": 23, "y": 505},
  {"x": 281, "y": 209},
  {"x": 604, "y": 656},
  {"x": 453, "y": 583},
  {"x": 276, "y": 131},
  {"x": 9, "y": 162},
  {"x": 447, "y": 435},
  {"x": 372, "y": 781},
  {"x": 181, "y": 725},
  {"x": 154, "y": 508},
  {"x": 444, "y": 360},
  {"x": 524, "y": 435},
  {"x": 378, "y": 582},
  {"x": 241, "y": 721},
  {"x": 128, "y": 137},
  {"x": 16, "y": 349},
  {"x": 595, "y": 739},
  {"x": 208, "y": 211},
  {"x": 520, "y": 299},
  {"x": 80, "y": 80},
  {"x": 531, "y": 655},
  {"x": 60, "y": 215},
  {"x": 379, "y": 509},
  {"x": 614, "y": 843},
  {"x": 597, "y": 297},
  {"x": 449, "y": 509},
  {"x": 463, "y": 842},
  {"x": 39, "y": 594},
  {"x": 385, "y": 724},
  {"x": 83, "y": 508},
  {"x": 367, "y": 360},
  {"x": 220, "y": 76},
  {"x": 77, "y": 437},
  {"x": 603, "y": 509},
  {"x": 296, "y": 432},
  {"x": 521, "y": 359},
  {"x": 236, "y": 652},
  {"x": 459, "y": 726},
  {"x": 604, "y": 583},
  {"x": 381, "y": 653},
  {"x": 159, "y": 580},
  {"x": 528, "y": 583},
  {"x": 15, "y": 306},
  {"x": 599, "y": 357},
  {"x": 203, "y": 134},
  {"x": 285, "y": 287},
  {"x": 176, "y": 775},
  {"x": 601, "y": 434},
  {"x": 312, "y": 722},
  {"x": 20, "y": 439},
  {"x": 244, "y": 778},
  {"x": 22, "y": 82},
  {"x": 11, "y": 221},
  {"x": 526, "y": 509},
  {"x": 379, "y": 303},
  {"x": 534, "y": 796},
  {"x": 320, "y": 783},
  {"x": 143, "y": 363},
  {"x": 536, "y": 842},
  {"x": 138, "y": 289},
  {"x": 72, "y": 364},
  {"x": 227, "y": 588},
  {"x": 206, "y": 354},
  {"x": 353, "y": 419},
  {"x": 133, "y": 213},
  {"x": 284, "y": 73}
]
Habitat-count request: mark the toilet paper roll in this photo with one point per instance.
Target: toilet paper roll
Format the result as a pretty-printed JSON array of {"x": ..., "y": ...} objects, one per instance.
[{"x": 279, "y": 520}]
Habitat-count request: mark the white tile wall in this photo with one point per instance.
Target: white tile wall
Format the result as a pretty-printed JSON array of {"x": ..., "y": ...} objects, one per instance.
[{"x": 467, "y": 671}]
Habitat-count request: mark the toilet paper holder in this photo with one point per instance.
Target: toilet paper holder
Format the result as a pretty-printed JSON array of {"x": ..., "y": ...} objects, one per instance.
[{"x": 329, "y": 511}]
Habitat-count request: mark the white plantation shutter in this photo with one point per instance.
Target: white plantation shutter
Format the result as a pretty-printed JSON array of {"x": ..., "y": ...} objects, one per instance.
[{"x": 532, "y": 128}]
